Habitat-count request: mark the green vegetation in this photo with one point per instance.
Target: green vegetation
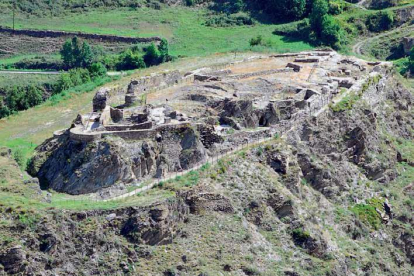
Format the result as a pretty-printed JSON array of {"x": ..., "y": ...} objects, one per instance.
[
  {"x": 348, "y": 101},
  {"x": 300, "y": 236},
  {"x": 325, "y": 28},
  {"x": 76, "y": 56},
  {"x": 368, "y": 213},
  {"x": 16, "y": 98},
  {"x": 184, "y": 27},
  {"x": 380, "y": 21}
]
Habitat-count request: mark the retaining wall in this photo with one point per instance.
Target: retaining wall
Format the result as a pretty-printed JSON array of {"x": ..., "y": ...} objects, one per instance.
[{"x": 110, "y": 38}]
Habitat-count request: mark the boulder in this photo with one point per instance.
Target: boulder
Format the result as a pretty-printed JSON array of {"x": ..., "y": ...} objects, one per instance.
[
  {"x": 200, "y": 201},
  {"x": 13, "y": 260},
  {"x": 100, "y": 99},
  {"x": 294, "y": 66}
]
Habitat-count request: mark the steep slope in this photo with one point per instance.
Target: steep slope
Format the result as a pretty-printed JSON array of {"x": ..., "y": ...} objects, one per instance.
[{"x": 332, "y": 197}]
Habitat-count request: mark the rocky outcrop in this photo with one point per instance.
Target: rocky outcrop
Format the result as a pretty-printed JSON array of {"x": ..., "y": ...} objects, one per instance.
[
  {"x": 100, "y": 99},
  {"x": 156, "y": 226},
  {"x": 13, "y": 260},
  {"x": 77, "y": 167},
  {"x": 408, "y": 44},
  {"x": 201, "y": 201}
]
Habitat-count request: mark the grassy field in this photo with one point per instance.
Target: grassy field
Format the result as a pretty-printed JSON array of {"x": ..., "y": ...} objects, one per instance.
[
  {"x": 25, "y": 79},
  {"x": 184, "y": 27}
]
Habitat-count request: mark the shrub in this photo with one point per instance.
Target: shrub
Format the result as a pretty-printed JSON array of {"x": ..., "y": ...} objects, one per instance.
[
  {"x": 224, "y": 20},
  {"x": 75, "y": 56},
  {"x": 367, "y": 214},
  {"x": 380, "y": 21},
  {"x": 97, "y": 70},
  {"x": 130, "y": 60},
  {"x": 324, "y": 27},
  {"x": 331, "y": 32},
  {"x": 64, "y": 83},
  {"x": 19, "y": 157},
  {"x": 255, "y": 41},
  {"x": 152, "y": 55},
  {"x": 163, "y": 49},
  {"x": 300, "y": 236}
]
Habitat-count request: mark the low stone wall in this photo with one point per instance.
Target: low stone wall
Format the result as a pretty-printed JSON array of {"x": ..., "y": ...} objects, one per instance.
[
  {"x": 132, "y": 134},
  {"x": 109, "y": 38},
  {"x": 261, "y": 73},
  {"x": 78, "y": 134},
  {"x": 146, "y": 125}
]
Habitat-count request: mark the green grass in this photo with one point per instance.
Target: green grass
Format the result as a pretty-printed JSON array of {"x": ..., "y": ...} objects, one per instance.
[
  {"x": 183, "y": 26},
  {"x": 16, "y": 58},
  {"x": 367, "y": 214},
  {"x": 25, "y": 79}
]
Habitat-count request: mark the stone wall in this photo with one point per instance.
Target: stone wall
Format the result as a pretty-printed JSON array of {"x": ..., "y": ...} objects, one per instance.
[
  {"x": 146, "y": 125},
  {"x": 105, "y": 116},
  {"x": 109, "y": 38}
]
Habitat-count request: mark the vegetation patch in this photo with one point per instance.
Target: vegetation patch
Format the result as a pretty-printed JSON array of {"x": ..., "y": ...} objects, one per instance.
[{"x": 368, "y": 214}]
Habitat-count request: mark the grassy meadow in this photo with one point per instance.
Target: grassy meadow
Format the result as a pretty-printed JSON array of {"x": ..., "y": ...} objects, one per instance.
[{"x": 184, "y": 27}]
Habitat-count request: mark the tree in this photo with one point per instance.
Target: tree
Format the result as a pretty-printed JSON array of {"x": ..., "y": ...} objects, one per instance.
[
  {"x": 76, "y": 56},
  {"x": 86, "y": 58},
  {"x": 320, "y": 8},
  {"x": 291, "y": 9},
  {"x": 64, "y": 83},
  {"x": 164, "y": 51},
  {"x": 331, "y": 31},
  {"x": 325, "y": 28},
  {"x": 76, "y": 52},
  {"x": 66, "y": 54},
  {"x": 130, "y": 61},
  {"x": 34, "y": 96},
  {"x": 97, "y": 70},
  {"x": 152, "y": 55}
]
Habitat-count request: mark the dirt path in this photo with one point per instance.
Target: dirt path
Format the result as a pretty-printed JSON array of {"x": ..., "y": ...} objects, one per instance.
[{"x": 358, "y": 47}]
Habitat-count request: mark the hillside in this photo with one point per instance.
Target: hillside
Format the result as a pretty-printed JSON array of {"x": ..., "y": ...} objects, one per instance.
[{"x": 285, "y": 204}]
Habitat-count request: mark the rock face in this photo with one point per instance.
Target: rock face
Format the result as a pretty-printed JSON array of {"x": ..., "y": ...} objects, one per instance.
[
  {"x": 76, "y": 167},
  {"x": 408, "y": 44},
  {"x": 156, "y": 227},
  {"x": 100, "y": 99}
]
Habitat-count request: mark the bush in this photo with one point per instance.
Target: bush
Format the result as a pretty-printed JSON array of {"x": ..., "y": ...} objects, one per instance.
[
  {"x": 20, "y": 158},
  {"x": 152, "y": 55},
  {"x": 189, "y": 3},
  {"x": 331, "y": 32},
  {"x": 76, "y": 56},
  {"x": 256, "y": 41},
  {"x": 367, "y": 214},
  {"x": 74, "y": 77},
  {"x": 325, "y": 28},
  {"x": 130, "y": 60},
  {"x": 97, "y": 70},
  {"x": 380, "y": 21},
  {"x": 300, "y": 236}
]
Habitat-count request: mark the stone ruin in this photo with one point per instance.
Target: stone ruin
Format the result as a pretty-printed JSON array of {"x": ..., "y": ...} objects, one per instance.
[{"x": 187, "y": 118}]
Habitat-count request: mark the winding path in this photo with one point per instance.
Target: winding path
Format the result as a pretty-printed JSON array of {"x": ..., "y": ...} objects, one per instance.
[{"x": 357, "y": 48}]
